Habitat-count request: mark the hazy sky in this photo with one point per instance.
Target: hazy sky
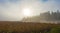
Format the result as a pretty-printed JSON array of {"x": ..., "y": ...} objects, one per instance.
[{"x": 12, "y": 9}]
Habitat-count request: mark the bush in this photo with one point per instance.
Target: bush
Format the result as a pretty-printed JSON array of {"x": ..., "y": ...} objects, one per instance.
[{"x": 55, "y": 30}]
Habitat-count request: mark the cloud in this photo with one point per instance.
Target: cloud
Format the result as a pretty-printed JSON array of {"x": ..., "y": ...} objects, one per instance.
[
  {"x": 11, "y": 9},
  {"x": 44, "y": 1}
]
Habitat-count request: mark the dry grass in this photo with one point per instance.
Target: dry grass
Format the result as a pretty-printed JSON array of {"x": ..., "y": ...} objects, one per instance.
[{"x": 25, "y": 27}]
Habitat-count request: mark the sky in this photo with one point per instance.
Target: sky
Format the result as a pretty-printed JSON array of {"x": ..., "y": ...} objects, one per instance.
[{"x": 11, "y": 10}]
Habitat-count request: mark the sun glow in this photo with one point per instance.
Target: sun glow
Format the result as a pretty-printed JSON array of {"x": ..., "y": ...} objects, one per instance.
[{"x": 27, "y": 12}]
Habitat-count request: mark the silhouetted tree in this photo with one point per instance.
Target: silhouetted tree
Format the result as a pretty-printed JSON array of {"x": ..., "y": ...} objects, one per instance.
[{"x": 53, "y": 16}]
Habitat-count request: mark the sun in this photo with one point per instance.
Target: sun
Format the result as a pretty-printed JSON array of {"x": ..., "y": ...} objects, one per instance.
[{"x": 27, "y": 12}]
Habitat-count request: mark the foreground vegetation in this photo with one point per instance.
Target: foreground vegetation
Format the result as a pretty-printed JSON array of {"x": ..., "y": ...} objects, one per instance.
[{"x": 28, "y": 27}]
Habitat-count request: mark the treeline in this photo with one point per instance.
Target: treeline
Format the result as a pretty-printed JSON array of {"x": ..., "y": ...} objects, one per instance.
[{"x": 51, "y": 16}]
